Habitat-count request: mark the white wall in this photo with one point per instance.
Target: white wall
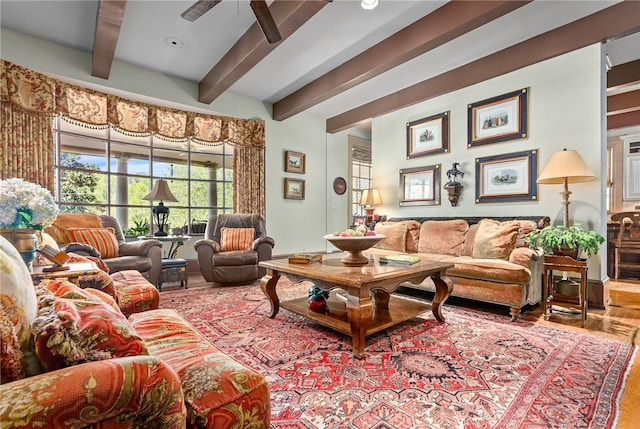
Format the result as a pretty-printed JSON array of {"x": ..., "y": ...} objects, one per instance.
[
  {"x": 295, "y": 225},
  {"x": 565, "y": 111}
]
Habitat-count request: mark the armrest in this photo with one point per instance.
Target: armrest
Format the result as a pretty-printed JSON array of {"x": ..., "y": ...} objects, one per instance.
[
  {"x": 262, "y": 240},
  {"x": 523, "y": 256},
  {"x": 142, "y": 388},
  {"x": 81, "y": 249},
  {"x": 138, "y": 248},
  {"x": 207, "y": 243}
]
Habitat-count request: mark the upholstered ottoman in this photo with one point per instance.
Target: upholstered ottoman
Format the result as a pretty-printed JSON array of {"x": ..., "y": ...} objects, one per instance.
[{"x": 134, "y": 293}]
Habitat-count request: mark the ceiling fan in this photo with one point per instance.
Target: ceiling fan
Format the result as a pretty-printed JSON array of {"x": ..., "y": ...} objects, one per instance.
[{"x": 260, "y": 10}]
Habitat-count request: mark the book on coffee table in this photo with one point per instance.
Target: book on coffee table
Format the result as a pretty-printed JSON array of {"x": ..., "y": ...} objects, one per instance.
[
  {"x": 304, "y": 258},
  {"x": 399, "y": 259}
]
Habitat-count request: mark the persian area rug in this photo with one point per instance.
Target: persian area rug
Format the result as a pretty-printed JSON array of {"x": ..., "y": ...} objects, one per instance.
[{"x": 477, "y": 370}]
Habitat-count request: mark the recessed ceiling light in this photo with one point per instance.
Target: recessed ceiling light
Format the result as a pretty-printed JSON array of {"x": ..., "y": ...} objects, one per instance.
[
  {"x": 173, "y": 42},
  {"x": 369, "y": 4}
]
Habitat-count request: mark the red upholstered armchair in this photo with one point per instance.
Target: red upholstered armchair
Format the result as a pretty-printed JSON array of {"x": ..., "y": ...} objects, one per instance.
[{"x": 233, "y": 246}]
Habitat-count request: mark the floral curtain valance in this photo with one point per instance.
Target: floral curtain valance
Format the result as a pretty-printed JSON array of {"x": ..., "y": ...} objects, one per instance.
[{"x": 39, "y": 93}]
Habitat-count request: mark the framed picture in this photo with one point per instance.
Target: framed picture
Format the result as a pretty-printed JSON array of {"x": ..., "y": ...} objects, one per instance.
[
  {"x": 294, "y": 162},
  {"x": 428, "y": 136},
  {"x": 293, "y": 189},
  {"x": 357, "y": 220},
  {"x": 507, "y": 177},
  {"x": 420, "y": 186},
  {"x": 498, "y": 119}
]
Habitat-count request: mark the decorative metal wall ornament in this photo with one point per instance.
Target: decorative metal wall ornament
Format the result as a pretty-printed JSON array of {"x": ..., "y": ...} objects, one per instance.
[{"x": 453, "y": 187}]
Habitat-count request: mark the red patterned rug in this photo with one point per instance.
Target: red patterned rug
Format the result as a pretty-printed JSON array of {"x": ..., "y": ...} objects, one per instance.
[{"x": 478, "y": 370}]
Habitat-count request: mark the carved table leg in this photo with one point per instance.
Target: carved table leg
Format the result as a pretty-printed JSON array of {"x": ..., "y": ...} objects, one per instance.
[
  {"x": 359, "y": 310},
  {"x": 444, "y": 287},
  {"x": 268, "y": 286}
]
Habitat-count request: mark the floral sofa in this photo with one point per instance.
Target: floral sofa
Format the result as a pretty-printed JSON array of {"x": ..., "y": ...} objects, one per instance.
[
  {"x": 71, "y": 359},
  {"x": 491, "y": 260}
]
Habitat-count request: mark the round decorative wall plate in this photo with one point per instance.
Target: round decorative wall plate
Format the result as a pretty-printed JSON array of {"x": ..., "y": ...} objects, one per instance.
[{"x": 340, "y": 185}]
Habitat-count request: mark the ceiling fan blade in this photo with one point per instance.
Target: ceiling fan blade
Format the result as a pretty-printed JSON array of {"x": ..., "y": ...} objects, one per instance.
[
  {"x": 265, "y": 19},
  {"x": 198, "y": 9}
]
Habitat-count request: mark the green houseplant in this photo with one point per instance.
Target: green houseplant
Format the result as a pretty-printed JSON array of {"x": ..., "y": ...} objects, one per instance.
[{"x": 562, "y": 240}]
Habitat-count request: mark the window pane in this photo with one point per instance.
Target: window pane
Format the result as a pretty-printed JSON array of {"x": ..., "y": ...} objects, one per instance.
[
  {"x": 82, "y": 187},
  {"x": 178, "y": 218},
  {"x": 166, "y": 163},
  {"x": 180, "y": 190},
  {"x": 129, "y": 159},
  {"x": 129, "y": 190}
]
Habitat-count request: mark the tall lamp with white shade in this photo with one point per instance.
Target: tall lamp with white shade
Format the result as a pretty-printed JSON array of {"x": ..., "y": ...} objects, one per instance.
[
  {"x": 369, "y": 199},
  {"x": 160, "y": 192},
  {"x": 564, "y": 167}
]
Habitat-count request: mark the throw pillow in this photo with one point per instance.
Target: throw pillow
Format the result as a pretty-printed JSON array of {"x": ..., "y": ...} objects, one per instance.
[
  {"x": 70, "y": 331},
  {"x": 495, "y": 239},
  {"x": 443, "y": 237},
  {"x": 63, "y": 221},
  {"x": 102, "y": 239},
  {"x": 10, "y": 353},
  {"x": 395, "y": 236},
  {"x": 236, "y": 238},
  {"x": 16, "y": 283},
  {"x": 467, "y": 249}
]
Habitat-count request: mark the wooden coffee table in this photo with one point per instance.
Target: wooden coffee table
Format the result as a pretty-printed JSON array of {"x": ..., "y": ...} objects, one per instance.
[{"x": 370, "y": 307}]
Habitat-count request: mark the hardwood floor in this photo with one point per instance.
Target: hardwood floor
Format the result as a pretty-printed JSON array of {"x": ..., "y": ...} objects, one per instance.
[{"x": 619, "y": 320}]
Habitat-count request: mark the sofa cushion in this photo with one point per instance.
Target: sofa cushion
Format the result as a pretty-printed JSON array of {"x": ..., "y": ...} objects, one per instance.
[
  {"x": 467, "y": 249},
  {"x": 495, "y": 270},
  {"x": 495, "y": 239},
  {"x": 218, "y": 390},
  {"x": 395, "y": 236},
  {"x": 236, "y": 238},
  {"x": 443, "y": 237},
  {"x": 102, "y": 239},
  {"x": 80, "y": 326}
]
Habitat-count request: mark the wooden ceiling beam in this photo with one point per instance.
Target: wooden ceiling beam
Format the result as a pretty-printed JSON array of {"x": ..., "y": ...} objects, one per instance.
[
  {"x": 623, "y": 103},
  {"x": 252, "y": 47},
  {"x": 623, "y": 120},
  {"x": 620, "y": 19},
  {"x": 105, "y": 39},
  {"x": 623, "y": 75},
  {"x": 439, "y": 27}
]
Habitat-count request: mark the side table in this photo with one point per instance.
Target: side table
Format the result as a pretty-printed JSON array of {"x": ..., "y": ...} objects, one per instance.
[
  {"x": 551, "y": 295},
  {"x": 174, "y": 270},
  {"x": 175, "y": 240}
]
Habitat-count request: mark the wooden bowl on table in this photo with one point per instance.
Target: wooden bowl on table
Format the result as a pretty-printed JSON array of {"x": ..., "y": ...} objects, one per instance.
[{"x": 354, "y": 246}]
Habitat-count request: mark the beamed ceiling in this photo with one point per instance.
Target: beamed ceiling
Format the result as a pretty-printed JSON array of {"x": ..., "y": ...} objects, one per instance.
[{"x": 336, "y": 60}]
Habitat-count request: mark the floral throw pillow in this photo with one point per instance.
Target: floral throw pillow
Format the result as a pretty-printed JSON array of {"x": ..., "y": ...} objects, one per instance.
[
  {"x": 80, "y": 328},
  {"x": 236, "y": 238}
]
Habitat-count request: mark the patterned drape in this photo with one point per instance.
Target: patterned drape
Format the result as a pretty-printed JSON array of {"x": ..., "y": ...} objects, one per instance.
[{"x": 29, "y": 100}]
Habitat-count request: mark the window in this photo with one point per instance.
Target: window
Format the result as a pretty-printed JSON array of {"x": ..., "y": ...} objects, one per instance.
[
  {"x": 106, "y": 171},
  {"x": 360, "y": 159}
]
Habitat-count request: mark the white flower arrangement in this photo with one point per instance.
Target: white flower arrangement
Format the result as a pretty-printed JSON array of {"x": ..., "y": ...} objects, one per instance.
[{"x": 25, "y": 205}]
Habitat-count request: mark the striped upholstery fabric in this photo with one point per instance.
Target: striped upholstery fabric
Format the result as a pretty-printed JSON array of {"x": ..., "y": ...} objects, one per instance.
[
  {"x": 103, "y": 239},
  {"x": 236, "y": 238}
]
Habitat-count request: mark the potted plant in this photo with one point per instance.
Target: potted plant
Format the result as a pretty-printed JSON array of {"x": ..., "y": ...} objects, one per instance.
[{"x": 568, "y": 241}]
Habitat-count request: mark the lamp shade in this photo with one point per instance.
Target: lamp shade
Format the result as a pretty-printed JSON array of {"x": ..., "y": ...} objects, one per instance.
[
  {"x": 565, "y": 164},
  {"x": 160, "y": 192},
  {"x": 370, "y": 197}
]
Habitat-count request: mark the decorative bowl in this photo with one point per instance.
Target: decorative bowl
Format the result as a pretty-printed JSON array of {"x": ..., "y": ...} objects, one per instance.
[{"x": 354, "y": 247}]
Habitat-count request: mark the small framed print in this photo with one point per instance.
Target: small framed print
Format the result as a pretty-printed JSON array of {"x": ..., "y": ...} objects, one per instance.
[
  {"x": 428, "y": 136},
  {"x": 293, "y": 189},
  {"x": 498, "y": 119},
  {"x": 420, "y": 186},
  {"x": 294, "y": 162},
  {"x": 507, "y": 177}
]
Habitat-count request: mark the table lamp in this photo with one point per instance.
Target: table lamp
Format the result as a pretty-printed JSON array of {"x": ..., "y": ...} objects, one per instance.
[
  {"x": 565, "y": 167},
  {"x": 371, "y": 198},
  {"x": 160, "y": 192}
]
